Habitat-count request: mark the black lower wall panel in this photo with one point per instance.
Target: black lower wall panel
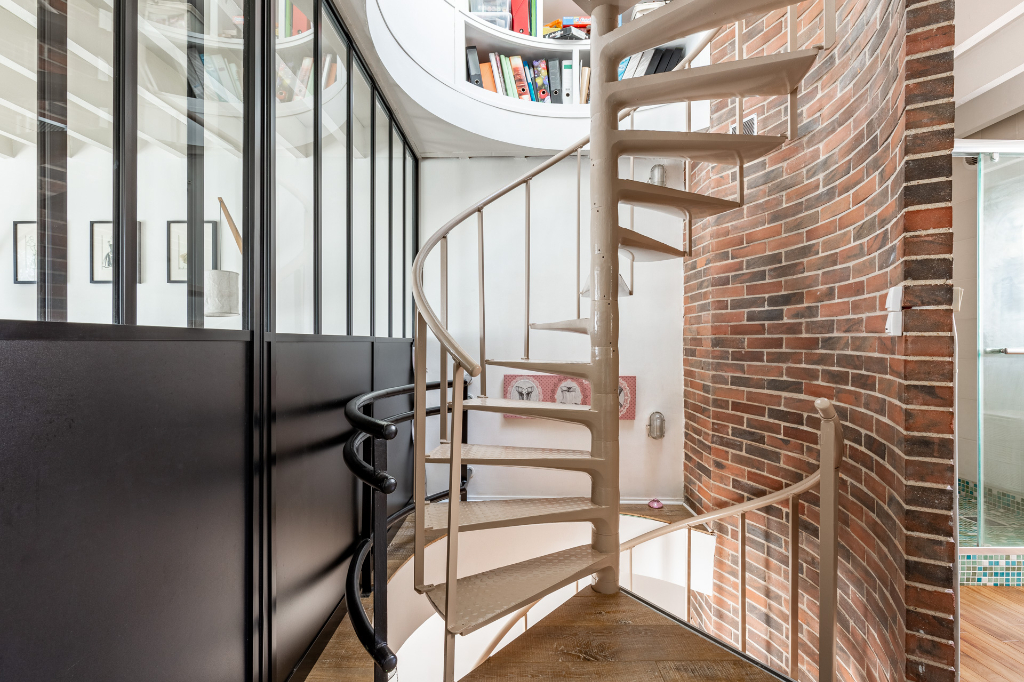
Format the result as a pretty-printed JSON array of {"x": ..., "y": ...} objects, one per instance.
[
  {"x": 123, "y": 511},
  {"x": 315, "y": 496},
  {"x": 392, "y": 366}
]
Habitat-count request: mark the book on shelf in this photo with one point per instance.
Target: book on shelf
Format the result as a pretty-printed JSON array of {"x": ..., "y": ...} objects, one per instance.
[
  {"x": 303, "y": 79},
  {"x": 649, "y": 62},
  {"x": 547, "y": 81},
  {"x": 521, "y": 16},
  {"x": 555, "y": 81},
  {"x": 519, "y": 74},
  {"x": 487, "y": 77},
  {"x": 473, "y": 62},
  {"x": 585, "y": 85}
]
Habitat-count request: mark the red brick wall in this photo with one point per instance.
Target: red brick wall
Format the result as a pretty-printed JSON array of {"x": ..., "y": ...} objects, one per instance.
[{"x": 784, "y": 303}]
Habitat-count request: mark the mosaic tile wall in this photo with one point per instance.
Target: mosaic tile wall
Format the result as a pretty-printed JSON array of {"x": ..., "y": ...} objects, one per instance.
[{"x": 1005, "y": 521}]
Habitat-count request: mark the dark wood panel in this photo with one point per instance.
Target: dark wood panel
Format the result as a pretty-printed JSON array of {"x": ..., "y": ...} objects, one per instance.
[{"x": 123, "y": 510}]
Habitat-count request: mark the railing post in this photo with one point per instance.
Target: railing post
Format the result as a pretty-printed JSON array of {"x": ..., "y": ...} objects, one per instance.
[
  {"x": 794, "y": 32},
  {"x": 483, "y": 307},
  {"x": 420, "y": 447},
  {"x": 743, "y": 582},
  {"x": 454, "y": 483},
  {"x": 689, "y": 572},
  {"x": 444, "y": 352},
  {"x": 579, "y": 200},
  {"x": 526, "y": 301},
  {"x": 829, "y": 21},
  {"x": 831, "y": 445},
  {"x": 380, "y": 555},
  {"x": 794, "y": 587}
]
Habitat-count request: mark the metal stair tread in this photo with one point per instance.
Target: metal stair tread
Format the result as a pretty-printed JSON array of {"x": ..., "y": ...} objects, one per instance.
[
  {"x": 645, "y": 249},
  {"x": 580, "y": 326},
  {"x": 774, "y": 75},
  {"x": 510, "y": 455},
  {"x": 484, "y": 514},
  {"x": 483, "y": 598},
  {"x": 680, "y": 18},
  {"x": 581, "y": 414},
  {"x": 675, "y": 202},
  {"x": 717, "y": 148},
  {"x": 572, "y": 369}
]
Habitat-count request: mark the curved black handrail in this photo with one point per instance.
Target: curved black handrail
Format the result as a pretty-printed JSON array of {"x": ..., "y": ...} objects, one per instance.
[
  {"x": 374, "y": 639},
  {"x": 384, "y": 429}
]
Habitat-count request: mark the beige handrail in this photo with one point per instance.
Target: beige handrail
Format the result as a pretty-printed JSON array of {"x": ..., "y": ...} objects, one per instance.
[
  {"x": 832, "y": 446},
  {"x": 458, "y": 353}
]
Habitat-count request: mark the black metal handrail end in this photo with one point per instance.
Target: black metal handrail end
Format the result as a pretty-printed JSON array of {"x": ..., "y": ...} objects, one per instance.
[{"x": 378, "y": 649}]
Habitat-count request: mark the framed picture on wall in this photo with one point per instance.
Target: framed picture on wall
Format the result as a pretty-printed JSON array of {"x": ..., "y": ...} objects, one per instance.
[
  {"x": 101, "y": 252},
  {"x": 25, "y": 252},
  {"x": 177, "y": 249}
]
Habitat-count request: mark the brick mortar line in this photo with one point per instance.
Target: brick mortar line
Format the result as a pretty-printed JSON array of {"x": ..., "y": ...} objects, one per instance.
[
  {"x": 925, "y": 207},
  {"x": 925, "y": 79},
  {"x": 919, "y": 131},
  {"x": 926, "y": 181},
  {"x": 929, "y": 53},
  {"x": 929, "y": 103}
]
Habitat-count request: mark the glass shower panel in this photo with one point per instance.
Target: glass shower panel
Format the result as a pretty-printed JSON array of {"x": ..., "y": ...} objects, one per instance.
[{"x": 1000, "y": 495}]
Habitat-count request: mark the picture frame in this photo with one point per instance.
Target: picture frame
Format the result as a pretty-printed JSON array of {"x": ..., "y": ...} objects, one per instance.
[
  {"x": 101, "y": 252},
  {"x": 177, "y": 249},
  {"x": 25, "y": 259}
]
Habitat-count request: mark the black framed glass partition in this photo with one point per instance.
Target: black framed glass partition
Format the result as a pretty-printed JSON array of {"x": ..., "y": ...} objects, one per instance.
[{"x": 124, "y": 151}]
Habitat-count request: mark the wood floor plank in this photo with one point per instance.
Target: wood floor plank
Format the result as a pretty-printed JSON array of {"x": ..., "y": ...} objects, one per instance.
[
  {"x": 991, "y": 634},
  {"x": 713, "y": 671}
]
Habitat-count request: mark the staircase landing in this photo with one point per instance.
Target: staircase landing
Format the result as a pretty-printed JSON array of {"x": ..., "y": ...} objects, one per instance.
[{"x": 613, "y": 638}]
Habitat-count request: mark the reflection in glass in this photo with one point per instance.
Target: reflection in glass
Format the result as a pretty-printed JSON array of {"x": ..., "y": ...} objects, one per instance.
[
  {"x": 334, "y": 195},
  {"x": 294, "y": 271},
  {"x": 382, "y": 222},
  {"x": 410, "y": 240},
  {"x": 397, "y": 233},
  {"x": 362, "y": 107},
  {"x": 190, "y": 108}
]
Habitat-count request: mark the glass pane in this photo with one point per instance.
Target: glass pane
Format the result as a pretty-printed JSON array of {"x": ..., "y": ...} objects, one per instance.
[
  {"x": 397, "y": 235},
  {"x": 295, "y": 163},
  {"x": 362, "y": 105},
  {"x": 381, "y": 222},
  {"x": 18, "y": 161},
  {"x": 90, "y": 162},
  {"x": 1001, "y": 338},
  {"x": 410, "y": 241},
  {"x": 190, "y": 163},
  {"x": 334, "y": 188}
]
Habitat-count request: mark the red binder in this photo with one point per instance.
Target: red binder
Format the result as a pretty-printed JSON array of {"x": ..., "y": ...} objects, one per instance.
[{"x": 521, "y": 16}]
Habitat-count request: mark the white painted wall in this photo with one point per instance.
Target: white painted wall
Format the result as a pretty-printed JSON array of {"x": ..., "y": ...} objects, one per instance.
[
  {"x": 965, "y": 274},
  {"x": 650, "y": 330}
]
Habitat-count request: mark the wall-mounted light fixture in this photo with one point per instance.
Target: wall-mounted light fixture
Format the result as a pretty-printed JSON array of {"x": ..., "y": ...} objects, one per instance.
[{"x": 656, "y": 426}]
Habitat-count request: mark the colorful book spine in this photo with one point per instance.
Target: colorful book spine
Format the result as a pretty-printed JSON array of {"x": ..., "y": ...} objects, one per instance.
[
  {"x": 540, "y": 81},
  {"x": 302, "y": 82},
  {"x": 510, "y": 79},
  {"x": 568, "y": 88},
  {"x": 499, "y": 81},
  {"x": 519, "y": 74},
  {"x": 530, "y": 80},
  {"x": 487, "y": 76}
]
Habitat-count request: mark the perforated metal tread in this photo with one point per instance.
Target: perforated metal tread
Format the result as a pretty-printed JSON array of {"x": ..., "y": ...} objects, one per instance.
[
  {"x": 484, "y": 514},
  {"x": 777, "y": 74},
  {"x": 674, "y": 202},
  {"x": 645, "y": 249},
  {"x": 485, "y": 597},
  {"x": 718, "y": 148},
  {"x": 580, "y": 326},
  {"x": 572, "y": 369},
  {"x": 508, "y": 455},
  {"x": 579, "y": 414}
]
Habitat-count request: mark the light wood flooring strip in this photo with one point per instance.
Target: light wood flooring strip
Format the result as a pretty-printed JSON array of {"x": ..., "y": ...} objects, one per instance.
[{"x": 991, "y": 634}]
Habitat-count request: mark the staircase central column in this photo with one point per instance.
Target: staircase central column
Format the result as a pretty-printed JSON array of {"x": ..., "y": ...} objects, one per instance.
[{"x": 604, "y": 295}]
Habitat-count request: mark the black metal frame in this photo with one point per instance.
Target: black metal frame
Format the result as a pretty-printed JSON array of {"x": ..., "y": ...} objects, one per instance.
[{"x": 257, "y": 226}]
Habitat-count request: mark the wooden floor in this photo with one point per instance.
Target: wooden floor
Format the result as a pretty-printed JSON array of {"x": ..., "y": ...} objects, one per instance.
[
  {"x": 595, "y": 638},
  {"x": 991, "y": 634},
  {"x": 613, "y": 638}
]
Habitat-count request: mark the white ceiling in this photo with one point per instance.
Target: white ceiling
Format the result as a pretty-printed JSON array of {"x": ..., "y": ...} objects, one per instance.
[{"x": 989, "y": 63}]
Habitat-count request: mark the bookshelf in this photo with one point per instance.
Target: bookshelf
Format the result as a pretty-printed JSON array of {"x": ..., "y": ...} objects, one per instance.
[{"x": 487, "y": 38}]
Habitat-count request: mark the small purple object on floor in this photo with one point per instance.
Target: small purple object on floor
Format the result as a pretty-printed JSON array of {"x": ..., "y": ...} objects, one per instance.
[{"x": 655, "y": 504}]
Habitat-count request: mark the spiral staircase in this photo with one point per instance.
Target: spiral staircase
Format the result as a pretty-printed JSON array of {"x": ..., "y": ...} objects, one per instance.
[{"x": 469, "y": 603}]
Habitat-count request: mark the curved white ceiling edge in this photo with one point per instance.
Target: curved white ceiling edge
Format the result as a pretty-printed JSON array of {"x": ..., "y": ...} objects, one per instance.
[{"x": 399, "y": 54}]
